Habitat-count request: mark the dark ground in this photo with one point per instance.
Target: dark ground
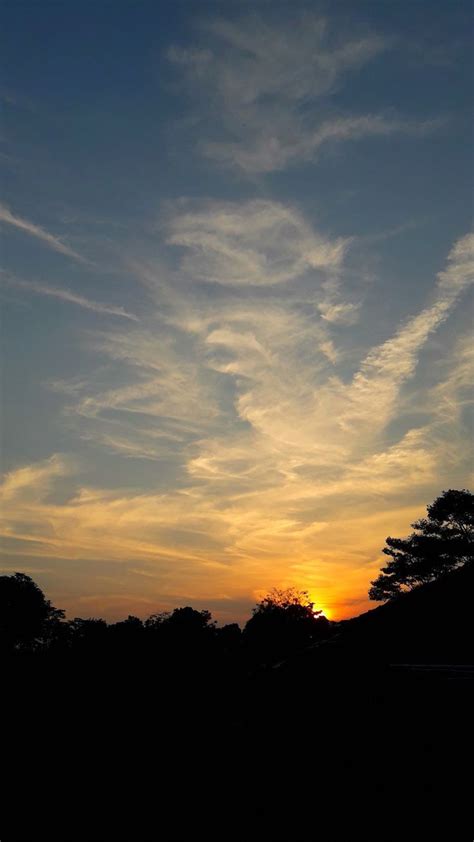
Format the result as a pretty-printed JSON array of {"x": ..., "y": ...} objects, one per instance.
[{"x": 366, "y": 736}]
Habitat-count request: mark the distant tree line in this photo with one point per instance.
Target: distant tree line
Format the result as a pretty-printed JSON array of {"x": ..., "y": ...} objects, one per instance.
[{"x": 281, "y": 623}]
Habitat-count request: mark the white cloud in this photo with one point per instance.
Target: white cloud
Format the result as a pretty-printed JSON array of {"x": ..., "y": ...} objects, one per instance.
[
  {"x": 455, "y": 391},
  {"x": 255, "y": 243},
  {"x": 71, "y": 298},
  {"x": 258, "y": 59},
  {"x": 345, "y": 312},
  {"x": 284, "y": 139},
  {"x": 460, "y": 269},
  {"x": 268, "y": 90},
  {"x": 277, "y": 360},
  {"x": 164, "y": 400},
  {"x": 281, "y": 461},
  {"x": 39, "y": 233},
  {"x": 32, "y": 482},
  {"x": 389, "y": 365}
]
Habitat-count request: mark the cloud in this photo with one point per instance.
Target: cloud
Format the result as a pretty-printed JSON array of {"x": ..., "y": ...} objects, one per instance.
[
  {"x": 389, "y": 365},
  {"x": 269, "y": 365},
  {"x": 303, "y": 419},
  {"x": 449, "y": 403},
  {"x": 291, "y": 141},
  {"x": 345, "y": 313},
  {"x": 164, "y": 400},
  {"x": 32, "y": 482},
  {"x": 255, "y": 243},
  {"x": 71, "y": 298},
  {"x": 460, "y": 269},
  {"x": 258, "y": 60},
  {"x": 274, "y": 466},
  {"x": 39, "y": 233},
  {"x": 267, "y": 90}
]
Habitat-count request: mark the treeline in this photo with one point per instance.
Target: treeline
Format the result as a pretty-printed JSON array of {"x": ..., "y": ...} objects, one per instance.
[{"x": 281, "y": 623}]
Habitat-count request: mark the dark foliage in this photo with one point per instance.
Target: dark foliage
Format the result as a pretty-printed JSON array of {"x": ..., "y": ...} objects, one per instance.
[
  {"x": 284, "y": 622},
  {"x": 441, "y": 542},
  {"x": 27, "y": 618}
]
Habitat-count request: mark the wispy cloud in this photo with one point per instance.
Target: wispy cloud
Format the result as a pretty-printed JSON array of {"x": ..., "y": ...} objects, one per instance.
[
  {"x": 276, "y": 457},
  {"x": 285, "y": 142},
  {"x": 251, "y": 243},
  {"x": 277, "y": 364},
  {"x": 389, "y": 365},
  {"x": 70, "y": 298},
  {"x": 32, "y": 482},
  {"x": 39, "y": 233},
  {"x": 453, "y": 393},
  {"x": 268, "y": 90}
]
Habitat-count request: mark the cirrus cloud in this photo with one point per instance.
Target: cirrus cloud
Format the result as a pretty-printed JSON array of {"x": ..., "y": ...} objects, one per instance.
[
  {"x": 257, "y": 243},
  {"x": 267, "y": 90}
]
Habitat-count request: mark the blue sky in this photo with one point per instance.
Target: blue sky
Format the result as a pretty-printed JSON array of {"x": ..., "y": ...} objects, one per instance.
[{"x": 237, "y": 328}]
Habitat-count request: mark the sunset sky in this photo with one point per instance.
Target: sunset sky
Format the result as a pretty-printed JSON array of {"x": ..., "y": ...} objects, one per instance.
[{"x": 236, "y": 316}]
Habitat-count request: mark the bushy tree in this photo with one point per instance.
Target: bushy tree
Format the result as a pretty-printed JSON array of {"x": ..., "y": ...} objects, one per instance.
[
  {"x": 229, "y": 636},
  {"x": 27, "y": 618},
  {"x": 88, "y": 635},
  {"x": 441, "y": 542},
  {"x": 182, "y": 621},
  {"x": 127, "y": 634},
  {"x": 282, "y": 622},
  {"x": 182, "y": 633}
]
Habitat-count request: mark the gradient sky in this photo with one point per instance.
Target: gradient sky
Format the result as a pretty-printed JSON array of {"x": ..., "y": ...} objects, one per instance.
[{"x": 237, "y": 331}]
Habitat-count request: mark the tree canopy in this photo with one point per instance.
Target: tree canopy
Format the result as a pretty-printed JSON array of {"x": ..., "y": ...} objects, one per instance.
[
  {"x": 441, "y": 542},
  {"x": 284, "y": 621},
  {"x": 26, "y": 616}
]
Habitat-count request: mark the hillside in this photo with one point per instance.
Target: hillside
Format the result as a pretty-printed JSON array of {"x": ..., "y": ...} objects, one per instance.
[{"x": 433, "y": 623}]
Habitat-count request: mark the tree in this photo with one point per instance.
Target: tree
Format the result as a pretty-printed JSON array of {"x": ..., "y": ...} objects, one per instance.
[
  {"x": 127, "y": 633},
  {"x": 441, "y": 542},
  {"x": 27, "y": 618},
  {"x": 181, "y": 633},
  {"x": 282, "y": 622},
  {"x": 182, "y": 622},
  {"x": 229, "y": 636},
  {"x": 89, "y": 635}
]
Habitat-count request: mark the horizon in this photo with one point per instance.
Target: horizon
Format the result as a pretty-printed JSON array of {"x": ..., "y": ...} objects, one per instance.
[{"x": 236, "y": 286}]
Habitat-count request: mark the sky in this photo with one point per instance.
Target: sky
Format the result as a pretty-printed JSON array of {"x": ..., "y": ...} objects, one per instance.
[{"x": 236, "y": 257}]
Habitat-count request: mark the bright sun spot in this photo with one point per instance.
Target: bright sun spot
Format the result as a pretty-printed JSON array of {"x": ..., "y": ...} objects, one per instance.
[{"x": 325, "y": 612}]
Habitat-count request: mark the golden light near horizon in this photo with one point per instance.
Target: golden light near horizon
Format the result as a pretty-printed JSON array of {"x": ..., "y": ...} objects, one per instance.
[{"x": 321, "y": 611}]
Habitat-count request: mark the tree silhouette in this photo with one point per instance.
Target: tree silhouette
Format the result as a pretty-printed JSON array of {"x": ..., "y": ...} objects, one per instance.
[
  {"x": 441, "y": 542},
  {"x": 27, "y": 618},
  {"x": 229, "y": 636},
  {"x": 127, "y": 635},
  {"x": 182, "y": 622},
  {"x": 184, "y": 635},
  {"x": 282, "y": 622},
  {"x": 89, "y": 635}
]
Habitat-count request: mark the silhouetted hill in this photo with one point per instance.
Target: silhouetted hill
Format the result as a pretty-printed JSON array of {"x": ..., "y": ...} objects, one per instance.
[{"x": 434, "y": 622}]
